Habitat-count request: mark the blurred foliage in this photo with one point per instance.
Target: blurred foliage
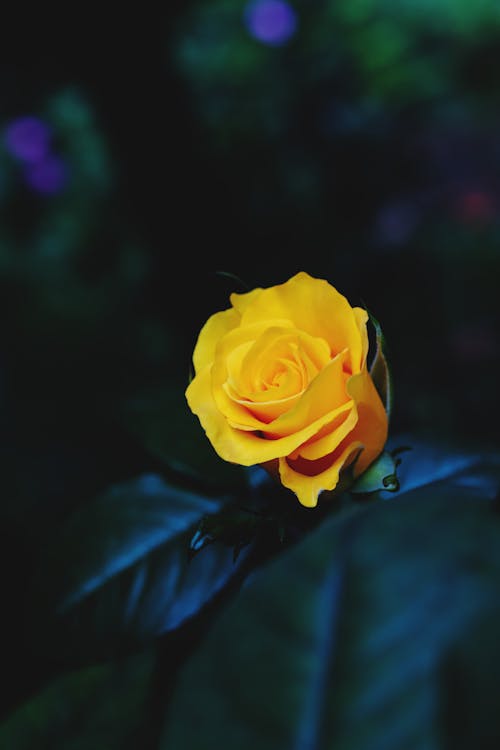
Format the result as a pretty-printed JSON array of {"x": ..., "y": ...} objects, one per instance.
[
  {"x": 364, "y": 149},
  {"x": 102, "y": 707},
  {"x": 352, "y": 654}
]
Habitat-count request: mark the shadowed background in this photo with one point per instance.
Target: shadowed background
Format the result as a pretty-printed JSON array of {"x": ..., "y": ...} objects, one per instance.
[{"x": 142, "y": 155}]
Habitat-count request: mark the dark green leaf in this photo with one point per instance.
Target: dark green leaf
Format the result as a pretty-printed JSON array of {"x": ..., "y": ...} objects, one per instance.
[
  {"x": 169, "y": 431},
  {"x": 340, "y": 642},
  {"x": 240, "y": 284},
  {"x": 235, "y": 527},
  {"x": 469, "y": 704},
  {"x": 99, "y": 707},
  {"x": 119, "y": 572},
  {"x": 380, "y": 370}
]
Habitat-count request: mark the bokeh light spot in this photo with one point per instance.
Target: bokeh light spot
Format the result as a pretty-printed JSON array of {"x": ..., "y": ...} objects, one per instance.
[
  {"x": 28, "y": 138},
  {"x": 48, "y": 176},
  {"x": 476, "y": 206},
  {"x": 272, "y": 22},
  {"x": 396, "y": 222}
]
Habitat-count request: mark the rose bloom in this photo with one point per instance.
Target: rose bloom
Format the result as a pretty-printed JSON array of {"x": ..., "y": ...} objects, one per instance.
[{"x": 281, "y": 380}]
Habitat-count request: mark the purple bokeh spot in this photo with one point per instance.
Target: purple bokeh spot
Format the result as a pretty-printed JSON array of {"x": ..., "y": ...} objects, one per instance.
[
  {"x": 396, "y": 222},
  {"x": 48, "y": 176},
  {"x": 28, "y": 138},
  {"x": 270, "y": 21}
]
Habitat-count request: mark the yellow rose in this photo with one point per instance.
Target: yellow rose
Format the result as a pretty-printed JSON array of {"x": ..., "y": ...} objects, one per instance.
[{"x": 281, "y": 380}]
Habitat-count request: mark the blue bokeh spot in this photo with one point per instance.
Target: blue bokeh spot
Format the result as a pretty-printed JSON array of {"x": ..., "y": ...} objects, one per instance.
[
  {"x": 47, "y": 176},
  {"x": 272, "y": 22}
]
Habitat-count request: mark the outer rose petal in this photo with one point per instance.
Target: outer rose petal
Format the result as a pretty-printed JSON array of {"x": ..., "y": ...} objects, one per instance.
[
  {"x": 241, "y": 301},
  {"x": 325, "y": 394},
  {"x": 255, "y": 414},
  {"x": 307, "y": 488},
  {"x": 313, "y": 305},
  {"x": 362, "y": 320},
  {"x": 372, "y": 426},
  {"x": 243, "y": 446},
  {"x": 308, "y": 478},
  {"x": 216, "y": 326}
]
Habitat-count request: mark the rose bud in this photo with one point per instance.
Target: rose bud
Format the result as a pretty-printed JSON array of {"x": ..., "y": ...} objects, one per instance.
[{"x": 281, "y": 380}]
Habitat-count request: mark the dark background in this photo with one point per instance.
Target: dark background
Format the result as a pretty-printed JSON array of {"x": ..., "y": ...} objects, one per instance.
[{"x": 364, "y": 149}]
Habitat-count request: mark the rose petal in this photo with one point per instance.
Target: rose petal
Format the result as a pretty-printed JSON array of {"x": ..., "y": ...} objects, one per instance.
[
  {"x": 243, "y": 446},
  {"x": 241, "y": 302},
  {"x": 372, "y": 426},
  {"x": 325, "y": 394},
  {"x": 307, "y": 479},
  {"x": 237, "y": 414},
  {"x": 216, "y": 326},
  {"x": 310, "y": 354},
  {"x": 268, "y": 412},
  {"x": 267, "y": 376},
  {"x": 313, "y": 305},
  {"x": 308, "y": 487},
  {"x": 361, "y": 388},
  {"x": 331, "y": 435}
]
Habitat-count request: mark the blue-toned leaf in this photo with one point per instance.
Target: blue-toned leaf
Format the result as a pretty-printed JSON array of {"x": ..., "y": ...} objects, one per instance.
[
  {"x": 120, "y": 571},
  {"x": 425, "y": 462},
  {"x": 340, "y": 643}
]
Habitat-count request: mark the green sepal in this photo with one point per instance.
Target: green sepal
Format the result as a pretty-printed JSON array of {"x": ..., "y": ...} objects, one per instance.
[
  {"x": 233, "y": 527},
  {"x": 233, "y": 277},
  {"x": 380, "y": 370},
  {"x": 381, "y": 475},
  {"x": 237, "y": 527}
]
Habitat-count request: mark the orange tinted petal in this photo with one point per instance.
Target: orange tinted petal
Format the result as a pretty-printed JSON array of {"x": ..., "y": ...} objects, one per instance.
[
  {"x": 372, "y": 426},
  {"x": 332, "y": 434},
  {"x": 307, "y": 479}
]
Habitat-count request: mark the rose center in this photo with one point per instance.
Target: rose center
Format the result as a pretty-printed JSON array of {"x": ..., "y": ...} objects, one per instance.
[{"x": 268, "y": 375}]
